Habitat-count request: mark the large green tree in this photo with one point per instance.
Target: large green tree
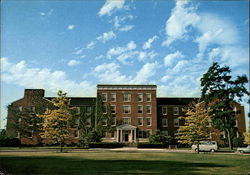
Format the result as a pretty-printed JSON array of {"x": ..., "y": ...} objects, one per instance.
[
  {"x": 197, "y": 125},
  {"x": 56, "y": 121},
  {"x": 219, "y": 92}
]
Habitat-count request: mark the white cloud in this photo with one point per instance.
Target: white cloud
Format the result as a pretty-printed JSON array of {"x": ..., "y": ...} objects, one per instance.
[
  {"x": 111, "y": 6},
  {"x": 119, "y": 50},
  {"x": 170, "y": 58},
  {"x": 48, "y": 13},
  {"x": 118, "y": 21},
  {"x": 126, "y": 28},
  {"x": 144, "y": 55},
  {"x": 181, "y": 18},
  {"x": 23, "y": 75},
  {"x": 106, "y": 36},
  {"x": 147, "y": 44},
  {"x": 73, "y": 63},
  {"x": 91, "y": 45},
  {"x": 71, "y": 27}
]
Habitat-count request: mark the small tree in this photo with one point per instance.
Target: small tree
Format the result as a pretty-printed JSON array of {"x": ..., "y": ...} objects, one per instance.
[
  {"x": 247, "y": 136},
  {"x": 159, "y": 137},
  {"x": 55, "y": 122},
  {"x": 219, "y": 92},
  {"x": 197, "y": 125}
]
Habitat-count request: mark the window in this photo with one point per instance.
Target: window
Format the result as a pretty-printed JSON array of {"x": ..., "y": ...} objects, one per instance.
[
  {"x": 20, "y": 108},
  {"x": 19, "y": 120},
  {"x": 127, "y": 97},
  {"x": 104, "y": 122},
  {"x": 104, "y": 109},
  {"x": 164, "y": 122},
  {"x": 148, "y": 121},
  {"x": 148, "y": 109},
  {"x": 18, "y": 135},
  {"x": 113, "y": 109},
  {"x": 140, "y": 134},
  {"x": 148, "y": 133},
  {"x": 140, "y": 97},
  {"x": 104, "y": 97},
  {"x": 176, "y": 122},
  {"x": 29, "y": 134},
  {"x": 139, "y": 109},
  {"x": 140, "y": 121},
  {"x": 148, "y": 97},
  {"x": 236, "y": 123},
  {"x": 76, "y": 121},
  {"x": 165, "y": 133},
  {"x": 126, "y": 120},
  {"x": 113, "y": 121},
  {"x": 33, "y": 109},
  {"x": 88, "y": 109},
  {"x": 176, "y": 110},
  {"x": 76, "y": 133},
  {"x": 126, "y": 109},
  {"x": 88, "y": 121},
  {"x": 46, "y": 110},
  {"x": 113, "y": 97},
  {"x": 78, "y": 110},
  {"x": 164, "y": 110}
]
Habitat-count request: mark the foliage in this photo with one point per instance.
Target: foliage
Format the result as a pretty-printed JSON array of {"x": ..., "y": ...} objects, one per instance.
[
  {"x": 8, "y": 141},
  {"x": 247, "y": 136},
  {"x": 159, "y": 137},
  {"x": 219, "y": 92},
  {"x": 55, "y": 124},
  {"x": 196, "y": 126},
  {"x": 105, "y": 145},
  {"x": 238, "y": 141}
]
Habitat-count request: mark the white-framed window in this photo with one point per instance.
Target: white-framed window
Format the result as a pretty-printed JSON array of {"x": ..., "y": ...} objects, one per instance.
[
  {"x": 148, "y": 97},
  {"x": 33, "y": 108},
  {"x": 148, "y": 121},
  {"x": 148, "y": 133},
  {"x": 148, "y": 109},
  {"x": 76, "y": 121},
  {"x": 18, "y": 135},
  {"x": 104, "y": 109},
  {"x": 104, "y": 97},
  {"x": 78, "y": 110},
  {"x": 165, "y": 133},
  {"x": 126, "y": 97},
  {"x": 176, "y": 122},
  {"x": 113, "y": 97},
  {"x": 113, "y": 121},
  {"x": 20, "y": 108},
  {"x": 104, "y": 122},
  {"x": 88, "y": 109},
  {"x": 76, "y": 133},
  {"x": 140, "y": 134},
  {"x": 176, "y": 110},
  {"x": 164, "y": 122},
  {"x": 126, "y": 120},
  {"x": 126, "y": 109},
  {"x": 140, "y": 121},
  {"x": 139, "y": 109},
  {"x": 236, "y": 123},
  {"x": 88, "y": 121},
  {"x": 46, "y": 110},
  {"x": 164, "y": 110},
  {"x": 140, "y": 97},
  {"x": 113, "y": 109}
]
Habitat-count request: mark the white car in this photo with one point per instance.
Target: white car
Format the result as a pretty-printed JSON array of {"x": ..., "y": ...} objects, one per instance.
[
  {"x": 206, "y": 146},
  {"x": 244, "y": 150}
]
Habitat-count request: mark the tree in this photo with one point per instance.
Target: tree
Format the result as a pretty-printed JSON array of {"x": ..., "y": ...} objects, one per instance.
[
  {"x": 220, "y": 92},
  {"x": 197, "y": 125},
  {"x": 247, "y": 136},
  {"x": 55, "y": 122},
  {"x": 159, "y": 137}
]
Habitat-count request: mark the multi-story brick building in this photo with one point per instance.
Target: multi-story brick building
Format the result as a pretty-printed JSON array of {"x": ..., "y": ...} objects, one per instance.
[{"x": 136, "y": 111}]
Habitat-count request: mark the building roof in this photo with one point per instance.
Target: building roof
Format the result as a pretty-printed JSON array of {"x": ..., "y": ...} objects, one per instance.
[
  {"x": 176, "y": 100},
  {"x": 79, "y": 101},
  {"x": 125, "y": 87}
]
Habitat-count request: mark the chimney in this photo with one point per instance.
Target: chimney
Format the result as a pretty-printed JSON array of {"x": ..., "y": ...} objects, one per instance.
[{"x": 29, "y": 93}]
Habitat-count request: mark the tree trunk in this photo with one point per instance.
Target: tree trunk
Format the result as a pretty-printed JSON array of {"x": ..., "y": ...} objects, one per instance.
[
  {"x": 61, "y": 148},
  {"x": 198, "y": 148},
  {"x": 229, "y": 139}
]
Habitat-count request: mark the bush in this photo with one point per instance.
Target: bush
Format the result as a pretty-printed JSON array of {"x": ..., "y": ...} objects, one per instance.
[
  {"x": 238, "y": 141},
  {"x": 159, "y": 137},
  {"x": 105, "y": 145},
  {"x": 12, "y": 142},
  {"x": 150, "y": 145}
]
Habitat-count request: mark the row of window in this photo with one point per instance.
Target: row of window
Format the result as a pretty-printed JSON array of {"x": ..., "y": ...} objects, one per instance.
[
  {"x": 164, "y": 110},
  {"x": 165, "y": 122},
  {"x": 127, "y": 97},
  {"x": 126, "y": 109}
]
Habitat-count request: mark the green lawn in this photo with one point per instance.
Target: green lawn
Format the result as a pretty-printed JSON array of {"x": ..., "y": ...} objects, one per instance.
[{"x": 109, "y": 162}]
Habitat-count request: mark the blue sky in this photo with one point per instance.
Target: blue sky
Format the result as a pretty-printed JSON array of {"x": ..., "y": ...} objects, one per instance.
[{"x": 74, "y": 45}]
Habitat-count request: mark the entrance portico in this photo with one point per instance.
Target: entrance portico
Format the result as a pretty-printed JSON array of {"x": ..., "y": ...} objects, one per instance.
[{"x": 126, "y": 133}]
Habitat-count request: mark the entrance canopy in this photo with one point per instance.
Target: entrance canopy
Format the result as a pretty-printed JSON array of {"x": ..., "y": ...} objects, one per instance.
[
  {"x": 126, "y": 133},
  {"x": 126, "y": 127}
]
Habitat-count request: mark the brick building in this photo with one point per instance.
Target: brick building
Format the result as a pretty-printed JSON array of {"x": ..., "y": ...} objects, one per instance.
[{"x": 137, "y": 112}]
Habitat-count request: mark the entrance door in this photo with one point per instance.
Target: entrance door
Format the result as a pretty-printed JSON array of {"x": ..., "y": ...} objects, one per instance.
[{"x": 126, "y": 136}]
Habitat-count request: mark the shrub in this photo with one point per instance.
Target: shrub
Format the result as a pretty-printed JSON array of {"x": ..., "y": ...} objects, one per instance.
[
  {"x": 12, "y": 142},
  {"x": 238, "y": 141},
  {"x": 150, "y": 145},
  {"x": 159, "y": 137},
  {"x": 105, "y": 145}
]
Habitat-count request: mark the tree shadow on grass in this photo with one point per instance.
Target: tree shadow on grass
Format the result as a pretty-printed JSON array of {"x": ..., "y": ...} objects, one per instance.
[{"x": 79, "y": 166}]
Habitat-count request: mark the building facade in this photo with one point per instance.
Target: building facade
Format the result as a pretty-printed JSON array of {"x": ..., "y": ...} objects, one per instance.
[{"x": 136, "y": 111}]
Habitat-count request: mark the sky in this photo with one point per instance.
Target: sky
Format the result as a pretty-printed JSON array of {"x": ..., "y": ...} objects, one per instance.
[{"x": 73, "y": 45}]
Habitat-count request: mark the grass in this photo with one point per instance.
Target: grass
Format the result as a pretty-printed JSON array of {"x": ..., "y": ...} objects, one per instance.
[{"x": 130, "y": 162}]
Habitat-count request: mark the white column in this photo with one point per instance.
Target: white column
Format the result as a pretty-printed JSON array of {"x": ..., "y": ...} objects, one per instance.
[
  {"x": 135, "y": 136},
  {"x": 117, "y": 135},
  {"x": 121, "y": 136}
]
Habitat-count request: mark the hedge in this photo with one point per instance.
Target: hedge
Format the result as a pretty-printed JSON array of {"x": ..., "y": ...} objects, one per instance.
[
  {"x": 14, "y": 142},
  {"x": 150, "y": 145},
  {"x": 105, "y": 145}
]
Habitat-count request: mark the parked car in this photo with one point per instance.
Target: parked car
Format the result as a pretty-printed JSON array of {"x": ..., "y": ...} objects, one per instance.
[
  {"x": 206, "y": 146},
  {"x": 244, "y": 150}
]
